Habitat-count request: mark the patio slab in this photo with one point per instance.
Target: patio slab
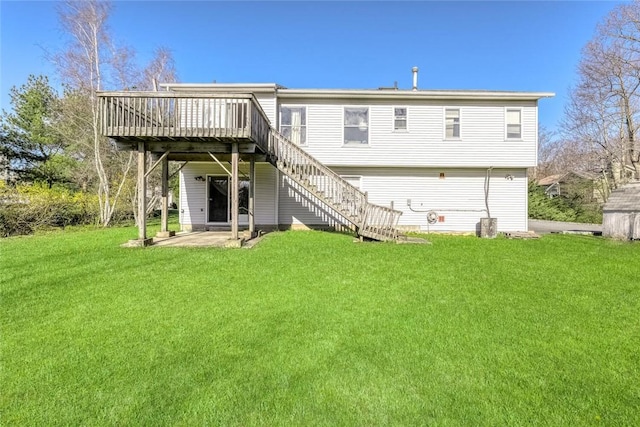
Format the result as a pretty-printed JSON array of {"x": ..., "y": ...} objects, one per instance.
[{"x": 219, "y": 239}]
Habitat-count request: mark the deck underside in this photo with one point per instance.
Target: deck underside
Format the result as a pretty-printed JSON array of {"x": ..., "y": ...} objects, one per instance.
[{"x": 190, "y": 150}]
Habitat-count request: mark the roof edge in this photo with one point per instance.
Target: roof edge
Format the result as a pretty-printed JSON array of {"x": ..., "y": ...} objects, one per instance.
[
  {"x": 190, "y": 87},
  {"x": 284, "y": 92},
  {"x": 411, "y": 94}
]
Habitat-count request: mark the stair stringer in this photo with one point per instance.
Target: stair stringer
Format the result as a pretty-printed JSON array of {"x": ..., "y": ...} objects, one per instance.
[{"x": 368, "y": 220}]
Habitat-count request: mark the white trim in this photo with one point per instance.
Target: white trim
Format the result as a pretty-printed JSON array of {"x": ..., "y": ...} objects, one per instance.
[
  {"x": 206, "y": 201},
  {"x": 283, "y": 92},
  {"x": 305, "y": 125},
  {"x": 410, "y": 94},
  {"x": 220, "y": 87},
  {"x": 393, "y": 119},
  {"x": 506, "y": 110},
  {"x": 537, "y": 136},
  {"x": 368, "y": 144},
  {"x": 444, "y": 124}
]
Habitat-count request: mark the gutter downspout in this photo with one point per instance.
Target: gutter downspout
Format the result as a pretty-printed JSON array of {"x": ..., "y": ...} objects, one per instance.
[{"x": 487, "y": 181}]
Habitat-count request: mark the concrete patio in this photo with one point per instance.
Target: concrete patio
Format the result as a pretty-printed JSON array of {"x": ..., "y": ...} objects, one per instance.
[{"x": 220, "y": 239}]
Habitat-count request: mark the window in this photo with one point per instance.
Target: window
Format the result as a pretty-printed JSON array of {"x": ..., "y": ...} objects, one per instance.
[
  {"x": 452, "y": 123},
  {"x": 353, "y": 180},
  {"x": 293, "y": 124},
  {"x": 356, "y": 125},
  {"x": 400, "y": 118},
  {"x": 514, "y": 124}
]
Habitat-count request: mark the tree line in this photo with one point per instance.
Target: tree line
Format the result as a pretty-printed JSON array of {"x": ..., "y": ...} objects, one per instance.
[
  {"x": 51, "y": 141},
  {"x": 599, "y": 132},
  {"x": 54, "y": 162}
]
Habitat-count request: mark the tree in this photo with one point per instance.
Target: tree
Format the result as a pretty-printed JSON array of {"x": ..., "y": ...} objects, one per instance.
[
  {"x": 90, "y": 63},
  {"x": 31, "y": 147},
  {"x": 548, "y": 148},
  {"x": 160, "y": 69},
  {"x": 603, "y": 114}
]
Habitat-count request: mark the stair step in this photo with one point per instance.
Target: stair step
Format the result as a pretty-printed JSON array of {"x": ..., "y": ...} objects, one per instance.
[{"x": 296, "y": 164}]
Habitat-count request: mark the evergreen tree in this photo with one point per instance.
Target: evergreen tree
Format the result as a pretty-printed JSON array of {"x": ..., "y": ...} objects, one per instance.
[{"x": 30, "y": 147}]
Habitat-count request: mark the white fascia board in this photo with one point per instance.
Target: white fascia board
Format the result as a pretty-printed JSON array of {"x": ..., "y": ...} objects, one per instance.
[
  {"x": 410, "y": 94},
  {"x": 221, "y": 87},
  {"x": 358, "y": 93}
]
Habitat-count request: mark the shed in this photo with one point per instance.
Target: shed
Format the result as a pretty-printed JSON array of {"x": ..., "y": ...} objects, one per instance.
[{"x": 621, "y": 213}]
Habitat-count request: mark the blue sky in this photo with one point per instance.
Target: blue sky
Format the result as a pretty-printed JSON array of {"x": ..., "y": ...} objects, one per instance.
[{"x": 499, "y": 45}]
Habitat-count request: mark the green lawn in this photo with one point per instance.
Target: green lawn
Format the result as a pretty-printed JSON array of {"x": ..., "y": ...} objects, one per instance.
[{"x": 310, "y": 328}]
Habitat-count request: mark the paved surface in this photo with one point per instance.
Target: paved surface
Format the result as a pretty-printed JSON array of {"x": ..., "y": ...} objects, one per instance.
[
  {"x": 544, "y": 227},
  {"x": 203, "y": 239}
]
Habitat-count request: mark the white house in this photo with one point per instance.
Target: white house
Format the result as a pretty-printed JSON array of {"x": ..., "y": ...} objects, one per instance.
[{"x": 444, "y": 159}]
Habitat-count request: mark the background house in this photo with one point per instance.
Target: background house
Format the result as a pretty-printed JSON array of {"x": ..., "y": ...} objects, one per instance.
[{"x": 587, "y": 186}]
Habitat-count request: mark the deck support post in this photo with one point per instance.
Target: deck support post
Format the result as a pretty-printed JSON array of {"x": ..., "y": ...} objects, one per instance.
[
  {"x": 252, "y": 189},
  {"x": 142, "y": 196},
  {"x": 164, "y": 214},
  {"x": 234, "y": 191}
]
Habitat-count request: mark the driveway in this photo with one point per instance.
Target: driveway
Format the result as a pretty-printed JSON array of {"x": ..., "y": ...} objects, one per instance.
[{"x": 544, "y": 227}]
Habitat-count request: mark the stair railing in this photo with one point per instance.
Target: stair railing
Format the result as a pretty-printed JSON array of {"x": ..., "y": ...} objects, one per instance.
[{"x": 374, "y": 221}]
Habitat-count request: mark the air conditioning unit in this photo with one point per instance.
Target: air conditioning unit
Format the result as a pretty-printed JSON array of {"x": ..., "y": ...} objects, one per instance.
[{"x": 488, "y": 228}]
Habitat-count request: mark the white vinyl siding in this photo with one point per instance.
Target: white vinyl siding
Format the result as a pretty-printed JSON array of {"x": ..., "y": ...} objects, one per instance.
[
  {"x": 298, "y": 207},
  {"x": 483, "y": 143},
  {"x": 459, "y": 197},
  {"x": 193, "y": 194},
  {"x": 354, "y": 180},
  {"x": 213, "y": 113},
  {"x": 267, "y": 102}
]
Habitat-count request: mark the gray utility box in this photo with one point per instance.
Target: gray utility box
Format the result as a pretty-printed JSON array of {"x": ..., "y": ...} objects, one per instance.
[{"x": 488, "y": 227}]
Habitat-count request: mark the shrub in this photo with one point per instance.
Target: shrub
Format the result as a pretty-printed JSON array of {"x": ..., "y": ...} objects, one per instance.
[
  {"x": 27, "y": 208},
  {"x": 561, "y": 208}
]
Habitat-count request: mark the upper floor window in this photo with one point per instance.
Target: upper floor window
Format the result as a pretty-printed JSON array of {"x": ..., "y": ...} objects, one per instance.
[
  {"x": 452, "y": 123},
  {"x": 293, "y": 124},
  {"x": 399, "y": 118},
  {"x": 514, "y": 124},
  {"x": 356, "y": 125}
]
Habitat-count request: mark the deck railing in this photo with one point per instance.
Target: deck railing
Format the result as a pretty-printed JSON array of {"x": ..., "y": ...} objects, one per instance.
[
  {"x": 370, "y": 220},
  {"x": 171, "y": 115},
  {"x": 182, "y": 115}
]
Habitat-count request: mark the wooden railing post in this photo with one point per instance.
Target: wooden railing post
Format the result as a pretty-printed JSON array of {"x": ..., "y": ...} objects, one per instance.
[
  {"x": 252, "y": 186},
  {"x": 234, "y": 191}
]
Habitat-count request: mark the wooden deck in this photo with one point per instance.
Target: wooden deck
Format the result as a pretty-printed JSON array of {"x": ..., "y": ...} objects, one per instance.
[
  {"x": 195, "y": 126},
  {"x": 129, "y": 117}
]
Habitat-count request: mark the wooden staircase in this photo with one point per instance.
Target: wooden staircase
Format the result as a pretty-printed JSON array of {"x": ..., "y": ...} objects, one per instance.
[
  {"x": 189, "y": 125},
  {"x": 368, "y": 220}
]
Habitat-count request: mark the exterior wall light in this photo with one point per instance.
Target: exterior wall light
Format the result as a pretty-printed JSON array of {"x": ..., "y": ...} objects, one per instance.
[{"x": 199, "y": 178}]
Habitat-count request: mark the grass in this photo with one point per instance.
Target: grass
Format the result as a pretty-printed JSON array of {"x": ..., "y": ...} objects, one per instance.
[{"x": 309, "y": 328}]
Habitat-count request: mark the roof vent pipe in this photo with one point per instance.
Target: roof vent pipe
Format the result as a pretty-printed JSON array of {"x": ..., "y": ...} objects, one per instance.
[{"x": 415, "y": 78}]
